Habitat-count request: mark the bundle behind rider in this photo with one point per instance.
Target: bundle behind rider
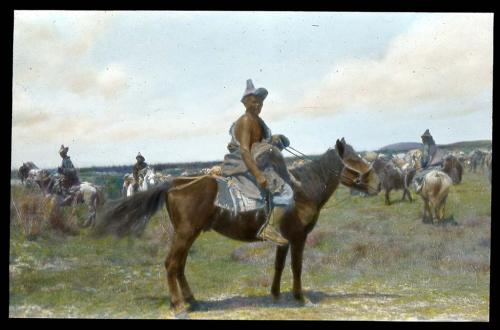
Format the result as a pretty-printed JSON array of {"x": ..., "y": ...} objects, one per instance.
[{"x": 247, "y": 133}]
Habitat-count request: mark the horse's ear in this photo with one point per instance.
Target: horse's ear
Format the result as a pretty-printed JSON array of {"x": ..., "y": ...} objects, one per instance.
[
  {"x": 339, "y": 147},
  {"x": 342, "y": 140}
]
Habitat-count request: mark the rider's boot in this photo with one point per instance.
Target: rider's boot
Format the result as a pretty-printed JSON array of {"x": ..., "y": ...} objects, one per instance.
[{"x": 270, "y": 231}]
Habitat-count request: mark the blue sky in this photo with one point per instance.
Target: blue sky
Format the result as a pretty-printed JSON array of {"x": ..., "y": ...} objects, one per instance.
[{"x": 168, "y": 83}]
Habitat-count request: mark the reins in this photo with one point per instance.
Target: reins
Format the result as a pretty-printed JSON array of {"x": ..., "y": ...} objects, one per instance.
[{"x": 304, "y": 157}]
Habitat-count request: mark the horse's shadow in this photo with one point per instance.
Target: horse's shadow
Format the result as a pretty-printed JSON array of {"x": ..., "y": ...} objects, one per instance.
[{"x": 286, "y": 300}]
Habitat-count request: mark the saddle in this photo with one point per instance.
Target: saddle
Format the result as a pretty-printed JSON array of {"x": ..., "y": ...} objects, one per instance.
[{"x": 239, "y": 194}]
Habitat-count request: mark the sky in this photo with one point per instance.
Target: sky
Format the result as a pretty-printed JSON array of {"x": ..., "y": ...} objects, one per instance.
[{"x": 168, "y": 84}]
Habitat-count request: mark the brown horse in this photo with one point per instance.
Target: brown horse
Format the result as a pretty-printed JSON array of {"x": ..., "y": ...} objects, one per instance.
[
  {"x": 190, "y": 205},
  {"x": 453, "y": 168}
]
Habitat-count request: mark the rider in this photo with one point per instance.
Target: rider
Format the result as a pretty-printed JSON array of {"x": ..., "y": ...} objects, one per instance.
[
  {"x": 67, "y": 172},
  {"x": 432, "y": 157},
  {"x": 246, "y": 131},
  {"x": 140, "y": 165}
]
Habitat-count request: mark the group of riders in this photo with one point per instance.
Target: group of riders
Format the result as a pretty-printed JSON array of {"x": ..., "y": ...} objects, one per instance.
[{"x": 247, "y": 131}]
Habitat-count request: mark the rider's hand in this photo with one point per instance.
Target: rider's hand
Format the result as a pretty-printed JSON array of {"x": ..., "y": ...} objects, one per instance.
[{"x": 261, "y": 180}]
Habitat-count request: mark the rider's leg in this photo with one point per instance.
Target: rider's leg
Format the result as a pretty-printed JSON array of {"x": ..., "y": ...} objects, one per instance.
[{"x": 271, "y": 229}]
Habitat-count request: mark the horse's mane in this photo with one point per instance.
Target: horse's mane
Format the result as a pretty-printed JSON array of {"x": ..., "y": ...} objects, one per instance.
[{"x": 312, "y": 174}]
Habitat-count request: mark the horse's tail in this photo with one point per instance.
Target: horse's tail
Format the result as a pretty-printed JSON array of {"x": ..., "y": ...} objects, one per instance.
[{"x": 131, "y": 215}]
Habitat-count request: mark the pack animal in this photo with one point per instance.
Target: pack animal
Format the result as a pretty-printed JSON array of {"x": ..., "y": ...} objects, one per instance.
[{"x": 392, "y": 178}]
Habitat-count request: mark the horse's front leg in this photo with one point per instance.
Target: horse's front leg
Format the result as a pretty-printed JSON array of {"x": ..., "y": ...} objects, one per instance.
[
  {"x": 279, "y": 264},
  {"x": 387, "y": 198},
  {"x": 297, "y": 253}
]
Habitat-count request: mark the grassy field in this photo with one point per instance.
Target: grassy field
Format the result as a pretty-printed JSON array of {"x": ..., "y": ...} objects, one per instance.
[{"x": 363, "y": 261}]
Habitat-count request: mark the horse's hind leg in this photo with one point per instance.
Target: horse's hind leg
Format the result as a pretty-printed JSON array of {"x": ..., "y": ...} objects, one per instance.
[
  {"x": 181, "y": 277},
  {"x": 279, "y": 264},
  {"x": 440, "y": 209},
  {"x": 427, "y": 217},
  {"x": 172, "y": 265}
]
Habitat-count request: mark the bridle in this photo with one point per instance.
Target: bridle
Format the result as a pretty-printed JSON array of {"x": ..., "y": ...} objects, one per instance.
[{"x": 357, "y": 181}]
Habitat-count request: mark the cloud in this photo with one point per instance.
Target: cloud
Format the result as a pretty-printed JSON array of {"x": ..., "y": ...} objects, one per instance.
[
  {"x": 51, "y": 49},
  {"x": 441, "y": 57}
]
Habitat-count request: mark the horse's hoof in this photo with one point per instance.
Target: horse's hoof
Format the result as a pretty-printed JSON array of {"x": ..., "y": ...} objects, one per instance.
[
  {"x": 193, "y": 305},
  {"x": 308, "y": 303},
  {"x": 182, "y": 315},
  {"x": 299, "y": 298}
]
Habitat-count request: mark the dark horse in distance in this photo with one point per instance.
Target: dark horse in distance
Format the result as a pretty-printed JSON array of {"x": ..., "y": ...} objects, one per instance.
[{"x": 190, "y": 205}]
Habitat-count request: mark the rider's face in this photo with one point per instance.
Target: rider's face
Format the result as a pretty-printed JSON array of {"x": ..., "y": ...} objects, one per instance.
[{"x": 253, "y": 104}]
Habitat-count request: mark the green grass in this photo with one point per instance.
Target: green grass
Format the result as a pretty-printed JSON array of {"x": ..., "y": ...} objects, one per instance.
[{"x": 364, "y": 260}]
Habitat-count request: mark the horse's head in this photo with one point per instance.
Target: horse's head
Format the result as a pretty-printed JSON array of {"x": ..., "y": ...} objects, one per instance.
[
  {"x": 448, "y": 162},
  {"x": 357, "y": 173},
  {"x": 22, "y": 172}
]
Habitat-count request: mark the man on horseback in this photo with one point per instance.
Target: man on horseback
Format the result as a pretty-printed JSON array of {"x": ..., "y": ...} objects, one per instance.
[
  {"x": 245, "y": 132},
  {"x": 138, "y": 167},
  {"x": 432, "y": 158},
  {"x": 68, "y": 174}
]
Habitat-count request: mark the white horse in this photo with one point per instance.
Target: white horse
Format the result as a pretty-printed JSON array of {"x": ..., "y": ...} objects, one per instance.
[
  {"x": 148, "y": 178},
  {"x": 28, "y": 172},
  {"x": 85, "y": 192},
  {"x": 434, "y": 192}
]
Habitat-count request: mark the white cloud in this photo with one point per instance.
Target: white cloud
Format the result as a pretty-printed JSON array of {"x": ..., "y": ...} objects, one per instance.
[{"x": 441, "y": 57}]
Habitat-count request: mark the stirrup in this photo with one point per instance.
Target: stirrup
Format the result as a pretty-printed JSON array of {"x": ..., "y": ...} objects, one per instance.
[{"x": 268, "y": 233}]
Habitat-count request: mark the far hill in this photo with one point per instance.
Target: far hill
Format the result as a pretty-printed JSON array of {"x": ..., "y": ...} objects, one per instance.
[
  {"x": 465, "y": 146},
  {"x": 400, "y": 147}
]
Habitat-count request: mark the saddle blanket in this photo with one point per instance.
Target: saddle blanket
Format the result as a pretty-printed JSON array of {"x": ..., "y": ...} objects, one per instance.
[{"x": 238, "y": 194}]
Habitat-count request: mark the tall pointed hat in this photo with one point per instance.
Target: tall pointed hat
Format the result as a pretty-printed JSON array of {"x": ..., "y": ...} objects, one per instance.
[
  {"x": 63, "y": 149},
  {"x": 139, "y": 156},
  {"x": 250, "y": 90}
]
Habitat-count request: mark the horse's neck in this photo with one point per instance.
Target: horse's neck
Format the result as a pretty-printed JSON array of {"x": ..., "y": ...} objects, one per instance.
[{"x": 321, "y": 177}]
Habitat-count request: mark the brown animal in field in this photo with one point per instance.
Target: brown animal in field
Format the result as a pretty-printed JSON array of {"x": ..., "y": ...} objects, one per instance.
[
  {"x": 476, "y": 158},
  {"x": 392, "y": 177},
  {"x": 190, "y": 203},
  {"x": 434, "y": 192},
  {"x": 453, "y": 168}
]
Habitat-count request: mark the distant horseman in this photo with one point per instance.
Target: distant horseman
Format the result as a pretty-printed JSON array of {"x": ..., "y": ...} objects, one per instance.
[
  {"x": 68, "y": 174},
  {"x": 432, "y": 158},
  {"x": 138, "y": 167}
]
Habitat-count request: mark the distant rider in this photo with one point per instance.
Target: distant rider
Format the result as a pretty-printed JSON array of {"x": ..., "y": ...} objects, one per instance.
[
  {"x": 138, "y": 167},
  {"x": 68, "y": 174}
]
